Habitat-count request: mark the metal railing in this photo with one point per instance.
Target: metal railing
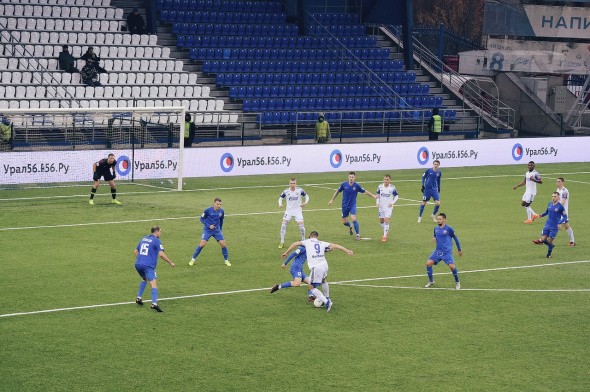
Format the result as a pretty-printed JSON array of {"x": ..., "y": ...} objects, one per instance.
[{"x": 488, "y": 106}]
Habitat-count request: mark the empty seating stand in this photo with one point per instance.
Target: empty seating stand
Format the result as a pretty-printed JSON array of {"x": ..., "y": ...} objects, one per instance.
[{"x": 141, "y": 73}]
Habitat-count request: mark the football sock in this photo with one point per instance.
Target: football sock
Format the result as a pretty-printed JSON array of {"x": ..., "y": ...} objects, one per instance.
[
  {"x": 550, "y": 246},
  {"x": 284, "y": 285},
  {"x": 302, "y": 231},
  {"x": 429, "y": 273},
  {"x": 529, "y": 213},
  {"x": 283, "y": 231},
  {"x": 347, "y": 223},
  {"x": 570, "y": 232},
  {"x": 197, "y": 251},
  {"x": 385, "y": 229},
  {"x": 309, "y": 293},
  {"x": 436, "y": 207},
  {"x": 142, "y": 287},
  {"x": 326, "y": 289},
  {"x": 318, "y": 294},
  {"x": 456, "y": 274},
  {"x": 225, "y": 253},
  {"x": 356, "y": 227},
  {"x": 154, "y": 295},
  {"x": 114, "y": 193},
  {"x": 421, "y": 210},
  {"x": 92, "y": 193}
]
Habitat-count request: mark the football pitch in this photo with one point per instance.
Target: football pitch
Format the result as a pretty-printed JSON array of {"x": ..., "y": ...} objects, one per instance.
[{"x": 520, "y": 322}]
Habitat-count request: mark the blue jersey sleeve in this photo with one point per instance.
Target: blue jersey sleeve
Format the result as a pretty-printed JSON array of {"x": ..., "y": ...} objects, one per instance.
[
  {"x": 294, "y": 254},
  {"x": 361, "y": 189},
  {"x": 221, "y": 219},
  {"x": 454, "y": 237},
  {"x": 341, "y": 188},
  {"x": 438, "y": 180},
  {"x": 546, "y": 211}
]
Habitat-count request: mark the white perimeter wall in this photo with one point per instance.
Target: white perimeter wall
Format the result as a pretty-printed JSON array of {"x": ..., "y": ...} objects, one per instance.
[{"x": 73, "y": 166}]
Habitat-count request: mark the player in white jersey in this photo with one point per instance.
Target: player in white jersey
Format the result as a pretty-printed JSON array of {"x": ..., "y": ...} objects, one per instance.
[
  {"x": 564, "y": 197},
  {"x": 531, "y": 179},
  {"x": 318, "y": 265},
  {"x": 386, "y": 197},
  {"x": 294, "y": 197}
]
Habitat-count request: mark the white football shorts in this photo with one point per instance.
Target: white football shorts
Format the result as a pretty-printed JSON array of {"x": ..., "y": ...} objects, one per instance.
[
  {"x": 528, "y": 197},
  {"x": 297, "y": 215},
  {"x": 319, "y": 273},
  {"x": 385, "y": 212}
]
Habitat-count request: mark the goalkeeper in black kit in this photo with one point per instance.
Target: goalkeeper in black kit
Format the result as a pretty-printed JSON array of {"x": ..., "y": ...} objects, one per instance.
[{"x": 105, "y": 168}]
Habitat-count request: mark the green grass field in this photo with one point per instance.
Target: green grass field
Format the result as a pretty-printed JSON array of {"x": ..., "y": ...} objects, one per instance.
[{"x": 521, "y": 322}]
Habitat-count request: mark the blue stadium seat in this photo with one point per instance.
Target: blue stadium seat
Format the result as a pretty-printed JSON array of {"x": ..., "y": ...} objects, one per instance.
[
  {"x": 267, "y": 118},
  {"x": 276, "y": 117}
]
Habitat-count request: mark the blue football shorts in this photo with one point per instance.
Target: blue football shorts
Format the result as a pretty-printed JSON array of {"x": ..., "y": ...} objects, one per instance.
[{"x": 146, "y": 272}]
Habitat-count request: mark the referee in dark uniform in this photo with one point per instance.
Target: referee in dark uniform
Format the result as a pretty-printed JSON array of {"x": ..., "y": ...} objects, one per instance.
[{"x": 105, "y": 168}]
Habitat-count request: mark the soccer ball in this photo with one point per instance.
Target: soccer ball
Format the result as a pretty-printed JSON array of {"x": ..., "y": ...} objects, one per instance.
[{"x": 318, "y": 303}]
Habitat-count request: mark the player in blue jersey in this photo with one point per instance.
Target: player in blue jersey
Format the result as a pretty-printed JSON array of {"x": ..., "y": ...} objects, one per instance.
[
  {"x": 555, "y": 212},
  {"x": 212, "y": 220},
  {"x": 299, "y": 257},
  {"x": 146, "y": 259},
  {"x": 350, "y": 189},
  {"x": 443, "y": 236},
  {"x": 431, "y": 189}
]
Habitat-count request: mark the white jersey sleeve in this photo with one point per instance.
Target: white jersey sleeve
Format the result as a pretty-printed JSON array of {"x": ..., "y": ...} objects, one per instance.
[
  {"x": 564, "y": 197},
  {"x": 531, "y": 186}
]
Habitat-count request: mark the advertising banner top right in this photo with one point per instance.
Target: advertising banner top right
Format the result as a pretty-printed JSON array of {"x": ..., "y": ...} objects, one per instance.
[{"x": 537, "y": 21}]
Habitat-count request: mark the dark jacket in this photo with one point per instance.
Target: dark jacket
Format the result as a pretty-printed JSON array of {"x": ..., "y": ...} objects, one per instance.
[
  {"x": 135, "y": 23},
  {"x": 67, "y": 62}
]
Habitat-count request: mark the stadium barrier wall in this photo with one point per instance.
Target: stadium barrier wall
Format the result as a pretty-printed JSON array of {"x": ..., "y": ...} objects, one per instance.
[
  {"x": 320, "y": 158},
  {"x": 75, "y": 166}
]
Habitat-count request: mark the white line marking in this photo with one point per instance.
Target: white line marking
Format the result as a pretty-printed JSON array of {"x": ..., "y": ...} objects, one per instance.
[
  {"x": 465, "y": 271},
  {"x": 170, "y": 219},
  {"x": 344, "y": 283},
  {"x": 258, "y": 186},
  {"x": 464, "y": 289}
]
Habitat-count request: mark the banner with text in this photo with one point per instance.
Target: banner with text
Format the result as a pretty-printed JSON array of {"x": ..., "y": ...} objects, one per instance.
[
  {"x": 536, "y": 21},
  {"x": 318, "y": 158},
  {"x": 76, "y": 166}
]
